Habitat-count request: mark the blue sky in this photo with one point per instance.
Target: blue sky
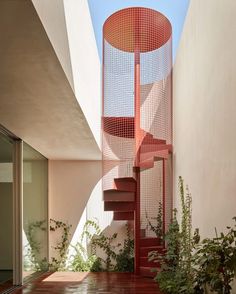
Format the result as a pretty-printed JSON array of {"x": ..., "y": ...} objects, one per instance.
[{"x": 174, "y": 10}]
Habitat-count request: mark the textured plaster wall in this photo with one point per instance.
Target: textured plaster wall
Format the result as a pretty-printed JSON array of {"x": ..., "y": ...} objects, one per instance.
[{"x": 204, "y": 112}]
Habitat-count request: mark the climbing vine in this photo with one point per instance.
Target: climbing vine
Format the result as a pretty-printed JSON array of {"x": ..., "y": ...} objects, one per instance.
[
  {"x": 59, "y": 263},
  {"x": 86, "y": 252},
  {"x": 177, "y": 273},
  {"x": 155, "y": 224},
  {"x": 32, "y": 259}
]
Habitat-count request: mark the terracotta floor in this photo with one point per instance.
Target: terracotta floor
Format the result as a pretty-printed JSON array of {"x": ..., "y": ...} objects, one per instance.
[
  {"x": 5, "y": 286},
  {"x": 94, "y": 283}
]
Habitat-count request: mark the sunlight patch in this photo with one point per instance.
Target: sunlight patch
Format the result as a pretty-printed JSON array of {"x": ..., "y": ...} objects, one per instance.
[{"x": 66, "y": 277}]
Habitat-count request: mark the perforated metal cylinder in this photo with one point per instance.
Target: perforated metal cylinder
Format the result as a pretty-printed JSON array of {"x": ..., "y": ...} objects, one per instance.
[{"x": 137, "y": 105}]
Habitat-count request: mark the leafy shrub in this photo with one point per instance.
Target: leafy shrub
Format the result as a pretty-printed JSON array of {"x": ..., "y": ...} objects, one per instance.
[
  {"x": 125, "y": 257},
  {"x": 190, "y": 266},
  {"x": 86, "y": 259},
  {"x": 177, "y": 274},
  {"x": 215, "y": 261}
]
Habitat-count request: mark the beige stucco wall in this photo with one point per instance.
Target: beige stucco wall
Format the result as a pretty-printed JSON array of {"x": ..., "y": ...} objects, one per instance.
[
  {"x": 75, "y": 194},
  {"x": 70, "y": 186},
  {"x": 204, "y": 93}
]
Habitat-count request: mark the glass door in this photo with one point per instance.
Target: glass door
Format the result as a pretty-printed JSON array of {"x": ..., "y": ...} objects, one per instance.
[
  {"x": 35, "y": 213},
  {"x": 23, "y": 211},
  {"x": 6, "y": 213}
]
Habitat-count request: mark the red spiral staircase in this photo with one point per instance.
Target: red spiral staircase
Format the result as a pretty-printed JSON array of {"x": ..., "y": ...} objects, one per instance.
[
  {"x": 121, "y": 199},
  {"x": 136, "y": 119}
]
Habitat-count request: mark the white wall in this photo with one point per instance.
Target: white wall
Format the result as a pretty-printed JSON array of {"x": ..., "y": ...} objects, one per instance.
[
  {"x": 71, "y": 184},
  {"x": 204, "y": 112},
  {"x": 75, "y": 195},
  {"x": 52, "y": 16},
  {"x": 85, "y": 62},
  {"x": 69, "y": 27}
]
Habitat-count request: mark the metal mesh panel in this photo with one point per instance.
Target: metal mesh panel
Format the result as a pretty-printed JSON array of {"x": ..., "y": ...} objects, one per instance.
[
  {"x": 151, "y": 195},
  {"x": 137, "y": 118},
  {"x": 168, "y": 193}
]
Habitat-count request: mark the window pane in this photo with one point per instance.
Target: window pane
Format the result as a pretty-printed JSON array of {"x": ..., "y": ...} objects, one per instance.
[{"x": 35, "y": 211}]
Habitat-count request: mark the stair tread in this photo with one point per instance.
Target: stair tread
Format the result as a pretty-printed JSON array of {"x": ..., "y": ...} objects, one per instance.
[
  {"x": 123, "y": 206},
  {"x": 154, "y": 247},
  {"x": 125, "y": 184},
  {"x": 149, "y": 242},
  {"x": 144, "y": 257},
  {"x": 155, "y": 147},
  {"x": 146, "y": 271},
  {"x": 146, "y": 262},
  {"x": 148, "y": 138},
  {"x": 154, "y": 155},
  {"x": 144, "y": 251},
  {"x": 147, "y": 268},
  {"x": 152, "y": 238},
  {"x": 116, "y": 191},
  {"x": 146, "y": 164},
  {"x": 128, "y": 179},
  {"x": 123, "y": 215}
]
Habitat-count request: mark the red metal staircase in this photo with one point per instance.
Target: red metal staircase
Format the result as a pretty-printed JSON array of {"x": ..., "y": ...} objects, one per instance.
[
  {"x": 137, "y": 120},
  {"x": 122, "y": 198}
]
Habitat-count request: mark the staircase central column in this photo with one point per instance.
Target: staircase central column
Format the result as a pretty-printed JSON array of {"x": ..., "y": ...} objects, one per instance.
[{"x": 137, "y": 141}]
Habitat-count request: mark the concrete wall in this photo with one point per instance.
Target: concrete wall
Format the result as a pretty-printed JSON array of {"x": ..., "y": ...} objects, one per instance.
[{"x": 204, "y": 112}]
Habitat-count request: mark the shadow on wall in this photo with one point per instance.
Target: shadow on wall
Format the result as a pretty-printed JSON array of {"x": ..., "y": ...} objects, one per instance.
[
  {"x": 75, "y": 187},
  {"x": 70, "y": 186}
]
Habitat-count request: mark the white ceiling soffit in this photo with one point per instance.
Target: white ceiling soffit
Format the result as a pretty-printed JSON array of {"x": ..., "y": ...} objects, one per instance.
[
  {"x": 36, "y": 100},
  {"x": 52, "y": 16},
  {"x": 69, "y": 27}
]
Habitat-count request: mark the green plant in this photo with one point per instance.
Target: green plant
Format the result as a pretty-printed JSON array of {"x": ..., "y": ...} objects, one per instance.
[
  {"x": 105, "y": 243},
  {"x": 215, "y": 261},
  {"x": 125, "y": 257},
  {"x": 170, "y": 279},
  {"x": 84, "y": 257},
  {"x": 81, "y": 260},
  {"x": 85, "y": 260},
  {"x": 59, "y": 263},
  {"x": 187, "y": 241},
  {"x": 177, "y": 274},
  {"x": 32, "y": 259},
  {"x": 157, "y": 226}
]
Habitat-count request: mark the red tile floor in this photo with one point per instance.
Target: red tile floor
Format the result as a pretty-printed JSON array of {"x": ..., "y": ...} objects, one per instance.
[{"x": 90, "y": 283}]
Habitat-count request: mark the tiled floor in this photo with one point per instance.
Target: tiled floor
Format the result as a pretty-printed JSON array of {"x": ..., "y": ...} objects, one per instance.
[{"x": 90, "y": 283}]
